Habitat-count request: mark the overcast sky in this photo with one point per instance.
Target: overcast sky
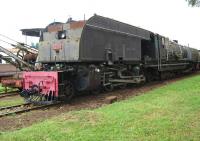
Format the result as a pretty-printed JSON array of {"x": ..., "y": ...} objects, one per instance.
[{"x": 171, "y": 18}]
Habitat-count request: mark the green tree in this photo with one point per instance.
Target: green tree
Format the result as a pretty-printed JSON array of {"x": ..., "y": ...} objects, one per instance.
[{"x": 194, "y": 2}]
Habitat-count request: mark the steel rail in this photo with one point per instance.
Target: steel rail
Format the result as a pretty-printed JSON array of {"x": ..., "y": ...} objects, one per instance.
[
  {"x": 9, "y": 94},
  {"x": 35, "y": 107}
]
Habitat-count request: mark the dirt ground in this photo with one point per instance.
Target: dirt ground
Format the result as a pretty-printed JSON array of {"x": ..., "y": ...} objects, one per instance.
[{"x": 80, "y": 102}]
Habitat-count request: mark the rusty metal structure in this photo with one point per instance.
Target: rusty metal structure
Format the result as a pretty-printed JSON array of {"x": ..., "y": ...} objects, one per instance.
[
  {"x": 23, "y": 59},
  {"x": 7, "y": 70},
  {"x": 19, "y": 62},
  {"x": 10, "y": 76}
]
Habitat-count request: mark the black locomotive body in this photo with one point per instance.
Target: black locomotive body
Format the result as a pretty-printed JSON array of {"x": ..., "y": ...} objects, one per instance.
[{"x": 102, "y": 53}]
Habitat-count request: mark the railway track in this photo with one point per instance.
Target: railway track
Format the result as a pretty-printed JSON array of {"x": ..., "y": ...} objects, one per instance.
[
  {"x": 22, "y": 108},
  {"x": 94, "y": 100},
  {"x": 9, "y": 94}
]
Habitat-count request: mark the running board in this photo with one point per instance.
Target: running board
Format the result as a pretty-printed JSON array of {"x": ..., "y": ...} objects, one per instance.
[{"x": 134, "y": 80}]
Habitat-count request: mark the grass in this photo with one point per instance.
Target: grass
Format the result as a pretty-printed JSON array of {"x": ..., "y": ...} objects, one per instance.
[
  {"x": 11, "y": 102},
  {"x": 2, "y": 89},
  {"x": 169, "y": 113}
]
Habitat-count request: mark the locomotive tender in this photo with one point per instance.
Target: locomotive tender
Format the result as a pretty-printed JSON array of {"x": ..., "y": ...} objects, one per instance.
[{"x": 101, "y": 53}]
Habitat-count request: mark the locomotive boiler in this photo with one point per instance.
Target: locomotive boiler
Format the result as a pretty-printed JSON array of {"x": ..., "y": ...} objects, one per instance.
[{"x": 100, "y": 54}]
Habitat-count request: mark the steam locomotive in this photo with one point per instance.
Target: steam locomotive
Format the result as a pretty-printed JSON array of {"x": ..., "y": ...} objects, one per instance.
[{"x": 101, "y": 53}]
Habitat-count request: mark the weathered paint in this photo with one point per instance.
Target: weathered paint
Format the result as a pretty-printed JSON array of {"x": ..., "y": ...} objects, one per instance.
[
  {"x": 7, "y": 68},
  {"x": 47, "y": 81},
  {"x": 14, "y": 83},
  {"x": 75, "y": 25},
  {"x": 53, "y": 49},
  {"x": 54, "y": 28}
]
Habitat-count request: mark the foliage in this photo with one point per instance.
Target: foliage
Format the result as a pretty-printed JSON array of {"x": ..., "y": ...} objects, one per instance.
[
  {"x": 11, "y": 102},
  {"x": 2, "y": 89},
  {"x": 194, "y": 2},
  {"x": 167, "y": 113}
]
